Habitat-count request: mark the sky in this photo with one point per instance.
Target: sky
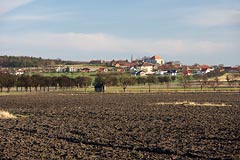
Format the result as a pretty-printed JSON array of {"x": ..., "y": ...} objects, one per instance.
[{"x": 189, "y": 31}]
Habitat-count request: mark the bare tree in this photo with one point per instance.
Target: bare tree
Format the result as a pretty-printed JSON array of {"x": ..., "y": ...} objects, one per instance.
[
  {"x": 230, "y": 80},
  {"x": 126, "y": 80},
  {"x": 83, "y": 81},
  {"x": 184, "y": 81},
  {"x": 203, "y": 81},
  {"x": 1, "y": 82},
  {"x": 151, "y": 80},
  {"x": 214, "y": 83}
]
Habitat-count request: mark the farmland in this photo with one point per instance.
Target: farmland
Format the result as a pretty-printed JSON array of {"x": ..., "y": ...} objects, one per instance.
[{"x": 71, "y": 125}]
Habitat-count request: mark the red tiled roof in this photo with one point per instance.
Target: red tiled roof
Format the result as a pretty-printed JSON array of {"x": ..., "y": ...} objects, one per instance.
[
  {"x": 156, "y": 57},
  {"x": 147, "y": 64},
  {"x": 127, "y": 64}
]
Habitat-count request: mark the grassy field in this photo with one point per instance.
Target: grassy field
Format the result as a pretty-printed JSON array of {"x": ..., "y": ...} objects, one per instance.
[
  {"x": 129, "y": 89},
  {"x": 71, "y": 75}
]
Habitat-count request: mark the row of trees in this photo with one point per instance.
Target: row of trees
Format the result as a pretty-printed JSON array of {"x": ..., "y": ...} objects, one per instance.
[
  {"x": 43, "y": 83},
  {"x": 124, "y": 81}
]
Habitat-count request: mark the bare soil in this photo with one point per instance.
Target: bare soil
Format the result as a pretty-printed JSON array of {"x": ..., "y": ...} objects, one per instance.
[{"x": 120, "y": 126}]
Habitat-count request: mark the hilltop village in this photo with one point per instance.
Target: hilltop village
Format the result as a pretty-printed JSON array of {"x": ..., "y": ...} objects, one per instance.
[{"x": 155, "y": 65}]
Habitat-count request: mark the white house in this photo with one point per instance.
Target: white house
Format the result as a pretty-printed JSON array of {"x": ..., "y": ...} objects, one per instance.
[
  {"x": 154, "y": 60},
  {"x": 157, "y": 60},
  {"x": 146, "y": 67},
  {"x": 19, "y": 72}
]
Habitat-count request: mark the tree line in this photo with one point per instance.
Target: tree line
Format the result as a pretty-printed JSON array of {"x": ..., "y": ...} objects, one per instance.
[
  {"x": 25, "y": 61},
  {"x": 43, "y": 83}
]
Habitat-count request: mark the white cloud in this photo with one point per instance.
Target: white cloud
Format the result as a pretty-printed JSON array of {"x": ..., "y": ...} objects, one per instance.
[
  {"x": 31, "y": 17},
  {"x": 90, "y": 46},
  {"x": 24, "y": 18},
  {"x": 8, "y": 5},
  {"x": 214, "y": 17}
]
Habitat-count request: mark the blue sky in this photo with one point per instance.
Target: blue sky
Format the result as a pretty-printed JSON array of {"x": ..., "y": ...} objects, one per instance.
[{"x": 203, "y": 31}]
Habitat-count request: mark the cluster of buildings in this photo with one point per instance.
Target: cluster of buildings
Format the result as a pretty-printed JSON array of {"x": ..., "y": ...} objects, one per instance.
[{"x": 154, "y": 65}]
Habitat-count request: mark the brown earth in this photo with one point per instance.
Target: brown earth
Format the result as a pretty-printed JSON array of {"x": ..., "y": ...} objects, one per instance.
[{"x": 120, "y": 126}]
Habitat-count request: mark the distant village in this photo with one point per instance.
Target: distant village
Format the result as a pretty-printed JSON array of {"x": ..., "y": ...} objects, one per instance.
[{"x": 154, "y": 65}]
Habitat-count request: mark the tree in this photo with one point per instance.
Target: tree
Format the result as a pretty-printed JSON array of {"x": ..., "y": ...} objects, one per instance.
[
  {"x": 161, "y": 79},
  {"x": 36, "y": 81},
  {"x": 54, "y": 82},
  {"x": 46, "y": 83},
  {"x": 202, "y": 79},
  {"x": 18, "y": 84},
  {"x": 228, "y": 80},
  {"x": 106, "y": 79},
  {"x": 83, "y": 81},
  {"x": 25, "y": 81},
  {"x": 66, "y": 82},
  {"x": 67, "y": 69},
  {"x": 7, "y": 80},
  {"x": 141, "y": 80},
  {"x": 111, "y": 80},
  {"x": 173, "y": 78},
  {"x": 100, "y": 81},
  {"x": 1, "y": 82},
  {"x": 214, "y": 83},
  {"x": 231, "y": 80},
  {"x": 151, "y": 80},
  {"x": 184, "y": 81},
  {"x": 167, "y": 80},
  {"x": 126, "y": 80},
  {"x": 10, "y": 81}
]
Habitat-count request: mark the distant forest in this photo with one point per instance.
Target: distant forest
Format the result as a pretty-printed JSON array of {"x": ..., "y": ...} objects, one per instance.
[{"x": 24, "y": 61}]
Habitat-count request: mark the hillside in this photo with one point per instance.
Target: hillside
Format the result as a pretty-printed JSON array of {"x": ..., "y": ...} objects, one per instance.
[{"x": 24, "y": 61}]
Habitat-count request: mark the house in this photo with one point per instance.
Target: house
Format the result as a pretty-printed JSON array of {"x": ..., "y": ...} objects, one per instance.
[
  {"x": 120, "y": 70},
  {"x": 172, "y": 72},
  {"x": 205, "y": 70},
  {"x": 101, "y": 70},
  {"x": 125, "y": 64},
  {"x": 146, "y": 67},
  {"x": 160, "y": 72},
  {"x": 49, "y": 70},
  {"x": 140, "y": 73},
  {"x": 202, "y": 69},
  {"x": 4, "y": 71},
  {"x": 85, "y": 70},
  {"x": 157, "y": 60},
  {"x": 186, "y": 71},
  {"x": 72, "y": 69},
  {"x": 154, "y": 60},
  {"x": 19, "y": 72},
  {"x": 60, "y": 69},
  {"x": 231, "y": 69}
]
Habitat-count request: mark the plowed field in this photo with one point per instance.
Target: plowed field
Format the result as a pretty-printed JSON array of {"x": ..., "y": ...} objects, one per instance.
[{"x": 121, "y": 126}]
